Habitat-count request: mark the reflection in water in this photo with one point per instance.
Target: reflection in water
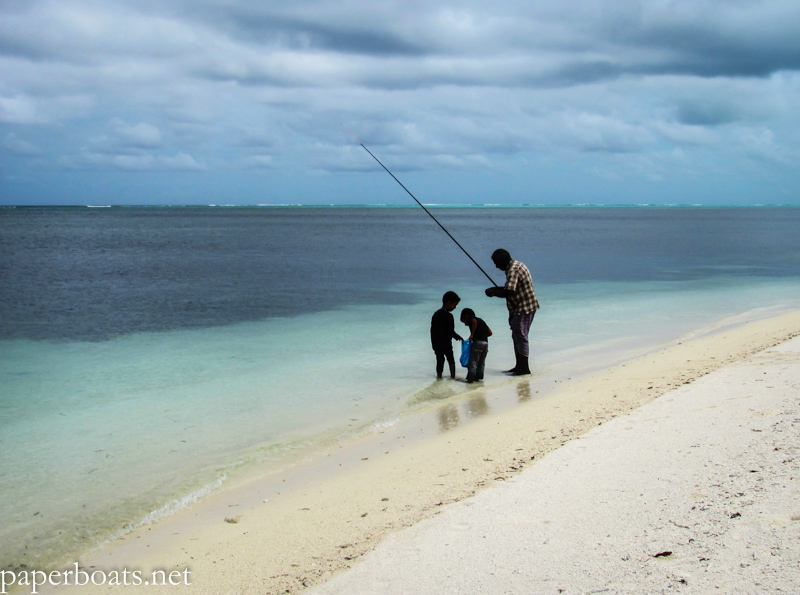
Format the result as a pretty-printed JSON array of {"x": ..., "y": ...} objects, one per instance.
[
  {"x": 524, "y": 391},
  {"x": 477, "y": 406},
  {"x": 448, "y": 417}
]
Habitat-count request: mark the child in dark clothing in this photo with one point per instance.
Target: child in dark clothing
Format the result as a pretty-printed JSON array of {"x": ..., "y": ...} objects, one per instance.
[
  {"x": 479, "y": 333},
  {"x": 443, "y": 332}
]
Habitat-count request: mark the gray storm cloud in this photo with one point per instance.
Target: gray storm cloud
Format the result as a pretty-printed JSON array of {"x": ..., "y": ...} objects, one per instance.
[{"x": 219, "y": 86}]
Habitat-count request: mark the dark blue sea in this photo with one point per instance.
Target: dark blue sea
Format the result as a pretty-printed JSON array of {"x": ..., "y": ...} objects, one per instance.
[{"x": 148, "y": 355}]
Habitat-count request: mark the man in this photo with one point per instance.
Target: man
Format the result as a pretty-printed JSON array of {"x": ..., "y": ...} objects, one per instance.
[{"x": 522, "y": 305}]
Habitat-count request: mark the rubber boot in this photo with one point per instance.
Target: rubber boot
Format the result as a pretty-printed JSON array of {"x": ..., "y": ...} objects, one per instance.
[
  {"x": 522, "y": 366},
  {"x": 452, "y": 371}
]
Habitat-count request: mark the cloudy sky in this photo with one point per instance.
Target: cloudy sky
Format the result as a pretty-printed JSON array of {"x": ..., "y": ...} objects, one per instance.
[{"x": 511, "y": 101}]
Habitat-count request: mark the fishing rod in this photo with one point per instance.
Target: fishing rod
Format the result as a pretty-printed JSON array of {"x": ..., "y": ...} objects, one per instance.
[{"x": 423, "y": 208}]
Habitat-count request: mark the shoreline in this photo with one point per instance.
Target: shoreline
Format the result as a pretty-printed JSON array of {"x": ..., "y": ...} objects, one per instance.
[
  {"x": 284, "y": 536},
  {"x": 695, "y": 491}
]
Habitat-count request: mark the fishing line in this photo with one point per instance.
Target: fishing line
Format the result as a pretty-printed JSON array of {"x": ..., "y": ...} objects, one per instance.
[{"x": 423, "y": 208}]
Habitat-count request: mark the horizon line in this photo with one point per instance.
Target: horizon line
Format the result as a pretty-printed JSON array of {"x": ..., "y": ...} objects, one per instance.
[{"x": 398, "y": 205}]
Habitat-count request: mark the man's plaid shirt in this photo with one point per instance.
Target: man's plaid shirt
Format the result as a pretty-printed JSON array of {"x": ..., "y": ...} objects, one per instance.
[{"x": 518, "y": 280}]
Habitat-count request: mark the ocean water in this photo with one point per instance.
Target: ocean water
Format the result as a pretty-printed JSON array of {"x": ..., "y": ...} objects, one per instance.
[{"x": 150, "y": 355}]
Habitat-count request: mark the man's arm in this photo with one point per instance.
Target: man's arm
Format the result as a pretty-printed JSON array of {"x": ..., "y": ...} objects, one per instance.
[
  {"x": 510, "y": 288},
  {"x": 500, "y": 292}
]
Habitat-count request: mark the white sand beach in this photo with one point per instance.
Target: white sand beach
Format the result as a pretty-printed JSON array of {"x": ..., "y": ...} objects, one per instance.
[
  {"x": 691, "y": 449},
  {"x": 697, "y": 492}
]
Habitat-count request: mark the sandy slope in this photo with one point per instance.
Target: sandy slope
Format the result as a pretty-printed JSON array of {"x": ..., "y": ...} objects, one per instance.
[{"x": 695, "y": 492}]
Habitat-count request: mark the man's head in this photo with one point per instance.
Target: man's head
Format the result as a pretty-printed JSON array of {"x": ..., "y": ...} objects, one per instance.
[{"x": 501, "y": 258}]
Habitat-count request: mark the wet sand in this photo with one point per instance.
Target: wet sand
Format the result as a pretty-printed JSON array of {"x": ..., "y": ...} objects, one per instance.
[{"x": 288, "y": 531}]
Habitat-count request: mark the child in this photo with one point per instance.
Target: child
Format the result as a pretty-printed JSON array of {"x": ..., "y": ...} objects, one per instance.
[
  {"x": 479, "y": 333},
  {"x": 443, "y": 332}
]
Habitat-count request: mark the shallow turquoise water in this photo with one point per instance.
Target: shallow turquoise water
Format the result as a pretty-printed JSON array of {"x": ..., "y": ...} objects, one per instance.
[{"x": 132, "y": 428}]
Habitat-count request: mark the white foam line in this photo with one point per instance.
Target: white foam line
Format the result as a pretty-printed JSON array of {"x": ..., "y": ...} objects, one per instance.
[{"x": 164, "y": 511}]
